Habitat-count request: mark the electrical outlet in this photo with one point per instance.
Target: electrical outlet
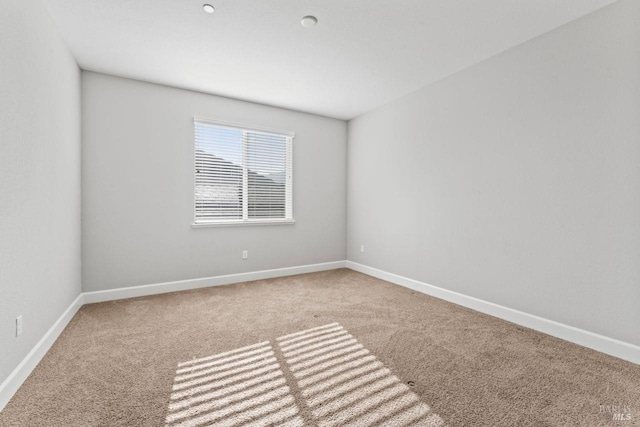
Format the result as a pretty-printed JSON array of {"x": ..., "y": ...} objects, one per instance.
[
  {"x": 18, "y": 325},
  {"x": 245, "y": 254},
  {"x": 362, "y": 248}
]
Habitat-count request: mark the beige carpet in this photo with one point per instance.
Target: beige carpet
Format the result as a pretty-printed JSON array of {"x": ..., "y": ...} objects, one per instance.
[{"x": 326, "y": 349}]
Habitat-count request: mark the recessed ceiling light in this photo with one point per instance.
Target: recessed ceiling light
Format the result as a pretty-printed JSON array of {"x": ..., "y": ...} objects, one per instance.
[
  {"x": 208, "y": 8},
  {"x": 309, "y": 21}
]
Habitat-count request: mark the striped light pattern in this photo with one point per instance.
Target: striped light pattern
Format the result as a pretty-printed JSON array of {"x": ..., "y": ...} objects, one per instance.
[
  {"x": 245, "y": 386},
  {"x": 343, "y": 384},
  {"x": 241, "y": 174},
  {"x": 329, "y": 372}
]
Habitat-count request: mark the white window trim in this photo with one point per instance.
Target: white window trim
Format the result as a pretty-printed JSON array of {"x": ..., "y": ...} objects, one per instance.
[
  {"x": 236, "y": 125},
  {"x": 235, "y": 223},
  {"x": 250, "y": 222}
]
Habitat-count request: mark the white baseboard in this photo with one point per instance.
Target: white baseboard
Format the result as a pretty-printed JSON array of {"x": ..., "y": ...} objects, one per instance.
[
  {"x": 588, "y": 339},
  {"x": 182, "y": 285},
  {"x": 578, "y": 336},
  {"x": 13, "y": 382}
]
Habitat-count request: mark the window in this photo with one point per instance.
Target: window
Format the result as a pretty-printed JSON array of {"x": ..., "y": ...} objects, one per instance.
[{"x": 243, "y": 175}]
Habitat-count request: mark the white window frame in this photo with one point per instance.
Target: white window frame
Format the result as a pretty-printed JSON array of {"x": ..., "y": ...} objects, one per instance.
[{"x": 245, "y": 221}]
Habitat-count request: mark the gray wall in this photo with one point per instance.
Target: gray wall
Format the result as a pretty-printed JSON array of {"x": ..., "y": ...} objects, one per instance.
[
  {"x": 39, "y": 177},
  {"x": 517, "y": 180},
  {"x": 138, "y": 188}
]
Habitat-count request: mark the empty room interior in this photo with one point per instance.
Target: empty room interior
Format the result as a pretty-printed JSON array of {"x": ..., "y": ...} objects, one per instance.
[{"x": 319, "y": 213}]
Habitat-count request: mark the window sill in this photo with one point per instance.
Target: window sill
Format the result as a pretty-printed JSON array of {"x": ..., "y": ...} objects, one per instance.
[{"x": 234, "y": 223}]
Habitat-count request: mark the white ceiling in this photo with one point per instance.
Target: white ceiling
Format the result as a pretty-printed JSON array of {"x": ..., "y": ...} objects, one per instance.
[{"x": 362, "y": 53}]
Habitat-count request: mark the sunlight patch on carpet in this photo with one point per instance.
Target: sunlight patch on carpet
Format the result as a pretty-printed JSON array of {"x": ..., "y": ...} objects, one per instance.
[
  {"x": 240, "y": 387},
  {"x": 337, "y": 381},
  {"x": 343, "y": 384}
]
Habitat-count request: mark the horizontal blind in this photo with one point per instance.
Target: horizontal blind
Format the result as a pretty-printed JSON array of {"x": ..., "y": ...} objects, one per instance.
[
  {"x": 241, "y": 174},
  {"x": 218, "y": 186}
]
